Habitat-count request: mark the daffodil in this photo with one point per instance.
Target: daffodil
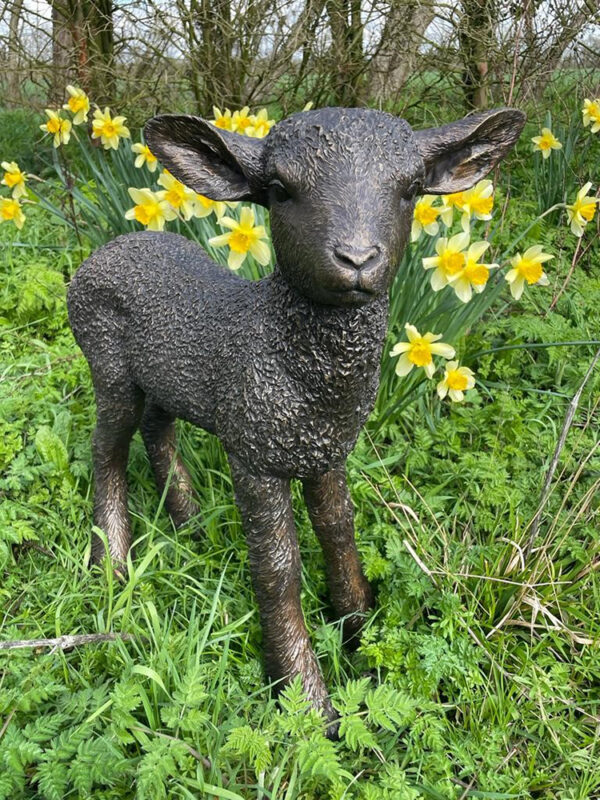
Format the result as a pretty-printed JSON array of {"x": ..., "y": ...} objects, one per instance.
[
  {"x": 591, "y": 114},
  {"x": 241, "y": 120},
  {"x": 261, "y": 125},
  {"x": 10, "y": 209},
  {"x": 151, "y": 208},
  {"x": 527, "y": 267},
  {"x": 78, "y": 104},
  {"x": 474, "y": 275},
  {"x": 57, "y": 127},
  {"x": 477, "y": 202},
  {"x": 449, "y": 203},
  {"x": 425, "y": 217},
  {"x": 14, "y": 178},
  {"x": 546, "y": 143},
  {"x": 582, "y": 210},
  {"x": 456, "y": 381},
  {"x": 419, "y": 351},
  {"x": 450, "y": 260},
  {"x": 243, "y": 237},
  {"x": 222, "y": 119},
  {"x": 109, "y": 129},
  {"x": 144, "y": 156},
  {"x": 182, "y": 199},
  {"x": 205, "y": 206}
]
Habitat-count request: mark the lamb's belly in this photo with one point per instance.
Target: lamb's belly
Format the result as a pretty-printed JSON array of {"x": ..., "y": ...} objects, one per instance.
[{"x": 295, "y": 448}]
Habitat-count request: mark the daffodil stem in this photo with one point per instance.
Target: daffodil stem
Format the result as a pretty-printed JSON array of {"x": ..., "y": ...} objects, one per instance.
[{"x": 533, "y": 224}]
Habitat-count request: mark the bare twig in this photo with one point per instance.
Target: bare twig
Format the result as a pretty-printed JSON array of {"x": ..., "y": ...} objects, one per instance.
[
  {"x": 579, "y": 253},
  {"x": 66, "y": 642},
  {"x": 6, "y": 723},
  {"x": 535, "y": 523}
]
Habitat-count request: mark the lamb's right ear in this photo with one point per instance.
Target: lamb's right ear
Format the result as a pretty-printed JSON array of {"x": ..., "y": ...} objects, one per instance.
[{"x": 215, "y": 163}]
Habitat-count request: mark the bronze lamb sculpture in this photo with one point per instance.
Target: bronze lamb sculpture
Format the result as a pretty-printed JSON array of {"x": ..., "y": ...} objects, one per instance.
[{"x": 284, "y": 370}]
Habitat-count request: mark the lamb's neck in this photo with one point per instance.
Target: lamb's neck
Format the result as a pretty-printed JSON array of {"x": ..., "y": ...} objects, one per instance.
[{"x": 332, "y": 346}]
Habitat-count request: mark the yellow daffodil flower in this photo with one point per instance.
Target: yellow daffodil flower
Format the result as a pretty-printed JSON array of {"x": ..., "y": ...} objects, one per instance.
[
  {"x": 477, "y": 202},
  {"x": 582, "y": 210},
  {"x": 591, "y": 114},
  {"x": 527, "y": 268},
  {"x": 474, "y": 275},
  {"x": 243, "y": 237},
  {"x": 241, "y": 120},
  {"x": 419, "y": 351},
  {"x": 205, "y": 206},
  {"x": 57, "y": 127},
  {"x": 449, "y": 203},
  {"x": 10, "y": 209},
  {"x": 144, "y": 156},
  {"x": 456, "y": 381},
  {"x": 546, "y": 143},
  {"x": 179, "y": 196},
  {"x": 450, "y": 260},
  {"x": 14, "y": 178},
  {"x": 109, "y": 129},
  {"x": 151, "y": 208},
  {"x": 261, "y": 125},
  {"x": 78, "y": 104},
  {"x": 425, "y": 217},
  {"x": 222, "y": 120}
]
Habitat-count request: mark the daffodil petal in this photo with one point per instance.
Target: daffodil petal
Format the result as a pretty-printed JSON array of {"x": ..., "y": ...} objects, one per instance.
[
  {"x": 442, "y": 349},
  {"x": 403, "y": 365}
]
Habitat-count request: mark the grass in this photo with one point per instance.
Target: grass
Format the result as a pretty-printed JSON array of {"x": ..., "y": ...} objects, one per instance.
[{"x": 479, "y": 670}]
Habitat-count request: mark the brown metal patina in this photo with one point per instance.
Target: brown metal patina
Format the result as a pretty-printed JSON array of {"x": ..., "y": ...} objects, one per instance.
[{"x": 284, "y": 370}]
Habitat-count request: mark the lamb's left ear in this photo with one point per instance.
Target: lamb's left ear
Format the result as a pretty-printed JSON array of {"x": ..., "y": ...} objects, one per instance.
[
  {"x": 215, "y": 163},
  {"x": 458, "y": 155}
]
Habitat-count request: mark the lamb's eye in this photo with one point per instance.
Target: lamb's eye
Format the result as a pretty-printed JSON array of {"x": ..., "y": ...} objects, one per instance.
[{"x": 278, "y": 192}]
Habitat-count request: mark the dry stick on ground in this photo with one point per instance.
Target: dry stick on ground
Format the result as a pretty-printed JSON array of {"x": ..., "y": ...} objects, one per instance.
[
  {"x": 535, "y": 523},
  {"x": 66, "y": 642},
  {"x": 6, "y": 723}
]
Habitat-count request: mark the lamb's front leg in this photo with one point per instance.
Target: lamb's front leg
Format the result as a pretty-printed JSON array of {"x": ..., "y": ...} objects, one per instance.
[
  {"x": 266, "y": 509},
  {"x": 332, "y": 515}
]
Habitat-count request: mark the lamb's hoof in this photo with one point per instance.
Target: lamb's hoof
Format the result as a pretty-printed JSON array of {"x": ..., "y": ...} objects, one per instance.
[
  {"x": 352, "y": 627},
  {"x": 333, "y": 722},
  {"x": 183, "y": 511},
  {"x": 332, "y": 731}
]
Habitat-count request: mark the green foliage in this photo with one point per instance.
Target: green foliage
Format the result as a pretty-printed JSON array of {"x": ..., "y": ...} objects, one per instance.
[
  {"x": 251, "y": 745},
  {"x": 21, "y": 139}
]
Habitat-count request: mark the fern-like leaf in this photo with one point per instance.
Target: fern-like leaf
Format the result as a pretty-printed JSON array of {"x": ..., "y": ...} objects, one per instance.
[
  {"x": 356, "y": 734},
  {"x": 350, "y": 697}
]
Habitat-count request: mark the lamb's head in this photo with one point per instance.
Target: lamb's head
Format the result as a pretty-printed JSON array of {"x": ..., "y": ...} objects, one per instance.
[{"x": 340, "y": 184}]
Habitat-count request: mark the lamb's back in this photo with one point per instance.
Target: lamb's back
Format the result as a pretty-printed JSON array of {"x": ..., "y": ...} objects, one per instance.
[{"x": 157, "y": 302}]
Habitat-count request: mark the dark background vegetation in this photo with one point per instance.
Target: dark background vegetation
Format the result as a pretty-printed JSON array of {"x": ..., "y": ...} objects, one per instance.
[{"x": 146, "y": 55}]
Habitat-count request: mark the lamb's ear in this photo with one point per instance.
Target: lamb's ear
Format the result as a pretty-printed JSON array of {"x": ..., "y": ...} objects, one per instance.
[
  {"x": 218, "y": 164},
  {"x": 458, "y": 155}
]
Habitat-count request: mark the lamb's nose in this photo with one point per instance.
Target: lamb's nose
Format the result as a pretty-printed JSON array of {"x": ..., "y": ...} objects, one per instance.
[{"x": 356, "y": 257}]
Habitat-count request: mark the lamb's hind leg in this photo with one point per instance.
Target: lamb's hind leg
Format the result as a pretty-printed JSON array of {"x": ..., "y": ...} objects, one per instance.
[
  {"x": 158, "y": 432},
  {"x": 118, "y": 414},
  {"x": 332, "y": 515}
]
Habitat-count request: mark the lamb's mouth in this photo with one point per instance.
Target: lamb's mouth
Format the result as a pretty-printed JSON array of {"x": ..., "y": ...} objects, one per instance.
[{"x": 351, "y": 296}]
